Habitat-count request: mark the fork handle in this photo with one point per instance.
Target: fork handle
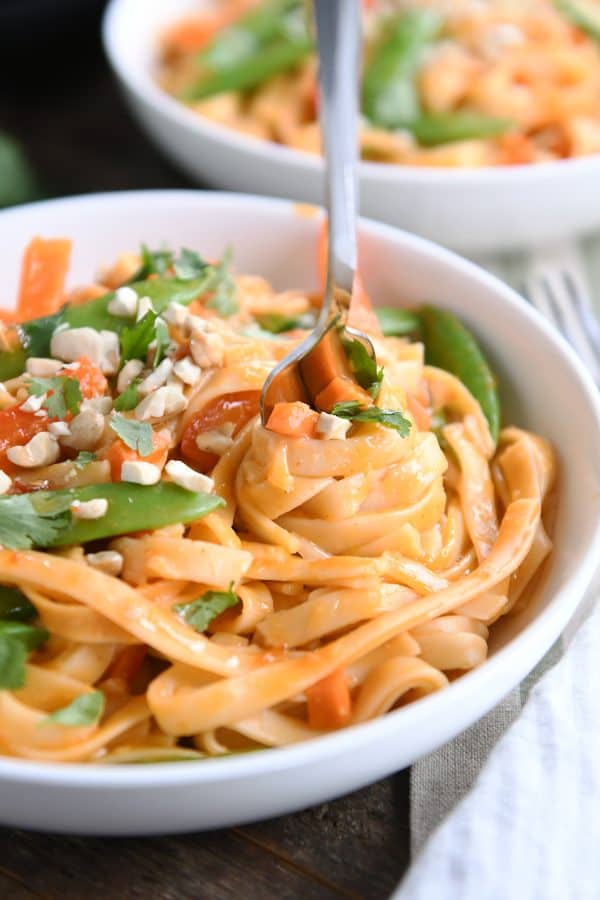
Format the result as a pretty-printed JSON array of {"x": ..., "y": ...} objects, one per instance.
[{"x": 338, "y": 38}]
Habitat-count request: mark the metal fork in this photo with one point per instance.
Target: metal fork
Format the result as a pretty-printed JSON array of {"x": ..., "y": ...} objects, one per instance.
[
  {"x": 338, "y": 38},
  {"x": 556, "y": 286}
]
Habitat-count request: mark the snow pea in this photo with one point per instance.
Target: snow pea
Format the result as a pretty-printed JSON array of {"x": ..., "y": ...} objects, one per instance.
[
  {"x": 33, "y": 338},
  {"x": 444, "y": 128},
  {"x": 131, "y": 507},
  {"x": 390, "y": 96},
  {"x": 395, "y": 322},
  {"x": 269, "y": 39},
  {"x": 451, "y": 346}
]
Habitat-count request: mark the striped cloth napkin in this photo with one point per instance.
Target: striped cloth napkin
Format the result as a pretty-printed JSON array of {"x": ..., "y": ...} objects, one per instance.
[{"x": 510, "y": 807}]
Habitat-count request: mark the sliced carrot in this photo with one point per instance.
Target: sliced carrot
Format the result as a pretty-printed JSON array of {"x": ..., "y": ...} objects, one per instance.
[
  {"x": 191, "y": 34},
  {"x": 194, "y": 32},
  {"x": 341, "y": 389},
  {"x": 234, "y": 409},
  {"x": 420, "y": 413},
  {"x": 91, "y": 380},
  {"x": 361, "y": 314},
  {"x": 43, "y": 275},
  {"x": 128, "y": 663},
  {"x": 17, "y": 427},
  {"x": 329, "y": 702},
  {"x": 327, "y": 361},
  {"x": 118, "y": 453},
  {"x": 295, "y": 419}
]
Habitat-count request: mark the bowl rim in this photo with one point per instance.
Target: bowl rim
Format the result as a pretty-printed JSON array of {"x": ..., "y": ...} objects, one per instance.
[
  {"x": 140, "y": 81},
  {"x": 537, "y": 636}
]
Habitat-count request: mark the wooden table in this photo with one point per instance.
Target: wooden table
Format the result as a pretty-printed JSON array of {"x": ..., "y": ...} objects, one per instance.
[{"x": 80, "y": 138}]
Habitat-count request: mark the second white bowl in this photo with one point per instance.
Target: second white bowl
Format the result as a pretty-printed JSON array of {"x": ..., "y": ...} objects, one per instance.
[{"x": 472, "y": 210}]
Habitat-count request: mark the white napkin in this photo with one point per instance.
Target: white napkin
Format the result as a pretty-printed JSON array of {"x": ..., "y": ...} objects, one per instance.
[{"x": 530, "y": 827}]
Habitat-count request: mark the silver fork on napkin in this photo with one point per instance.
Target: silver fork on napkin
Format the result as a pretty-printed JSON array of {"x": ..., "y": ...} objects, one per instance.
[{"x": 556, "y": 285}]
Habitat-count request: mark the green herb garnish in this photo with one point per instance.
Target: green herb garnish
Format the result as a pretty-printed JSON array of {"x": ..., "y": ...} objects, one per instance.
[
  {"x": 163, "y": 341},
  {"x": 224, "y": 301},
  {"x": 136, "y": 339},
  {"x": 199, "y": 613},
  {"x": 391, "y": 418},
  {"x": 23, "y": 525},
  {"x": 137, "y": 435},
  {"x": 84, "y": 458},
  {"x": 365, "y": 369},
  {"x": 16, "y": 641},
  {"x": 63, "y": 394},
  {"x": 130, "y": 397},
  {"x": 189, "y": 265},
  {"x": 154, "y": 262},
  {"x": 83, "y": 710}
]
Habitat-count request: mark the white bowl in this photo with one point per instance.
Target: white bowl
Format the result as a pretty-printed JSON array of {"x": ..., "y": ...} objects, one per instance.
[
  {"x": 471, "y": 210},
  {"x": 544, "y": 387}
]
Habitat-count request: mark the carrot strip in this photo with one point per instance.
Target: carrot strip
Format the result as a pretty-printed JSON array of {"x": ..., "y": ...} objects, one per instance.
[
  {"x": 91, "y": 380},
  {"x": 229, "y": 409},
  {"x": 329, "y": 702},
  {"x": 341, "y": 389},
  {"x": 293, "y": 419},
  {"x": 43, "y": 275},
  {"x": 118, "y": 453}
]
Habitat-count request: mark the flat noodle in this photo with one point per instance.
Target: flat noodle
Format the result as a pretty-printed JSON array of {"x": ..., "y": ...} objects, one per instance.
[{"x": 364, "y": 571}]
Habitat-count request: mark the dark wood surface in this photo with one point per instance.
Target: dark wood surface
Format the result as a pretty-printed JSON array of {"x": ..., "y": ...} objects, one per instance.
[{"x": 78, "y": 135}]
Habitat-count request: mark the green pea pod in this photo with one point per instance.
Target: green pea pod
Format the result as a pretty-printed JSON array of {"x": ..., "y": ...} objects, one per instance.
[
  {"x": 270, "y": 39},
  {"x": 585, "y": 14},
  {"x": 33, "y": 338},
  {"x": 450, "y": 346},
  {"x": 131, "y": 507},
  {"x": 14, "y": 605},
  {"x": 396, "y": 322},
  {"x": 445, "y": 128},
  {"x": 390, "y": 96}
]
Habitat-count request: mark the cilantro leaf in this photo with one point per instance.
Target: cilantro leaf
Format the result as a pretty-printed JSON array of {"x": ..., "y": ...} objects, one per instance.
[
  {"x": 130, "y": 397},
  {"x": 84, "y": 458},
  {"x": 83, "y": 710},
  {"x": 391, "y": 418},
  {"x": 63, "y": 394},
  {"x": 135, "y": 339},
  {"x": 23, "y": 526},
  {"x": 223, "y": 301},
  {"x": 277, "y": 323},
  {"x": 189, "y": 265},
  {"x": 154, "y": 262},
  {"x": 163, "y": 340},
  {"x": 364, "y": 366},
  {"x": 16, "y": 641},
  {"x": 199, "y": 613},
  {"x": 137, "y": 435}
]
